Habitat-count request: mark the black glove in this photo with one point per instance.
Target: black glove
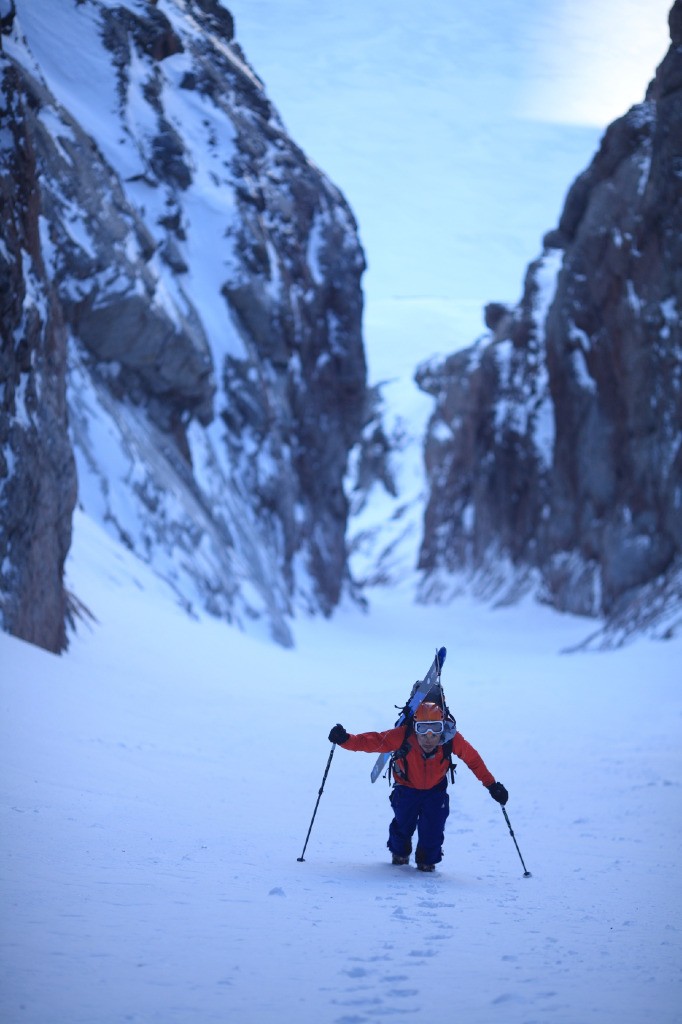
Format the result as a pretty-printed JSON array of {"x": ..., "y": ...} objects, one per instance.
[
  {"x": 338, "y": 735},
  {"x": 498, "y": 792}
]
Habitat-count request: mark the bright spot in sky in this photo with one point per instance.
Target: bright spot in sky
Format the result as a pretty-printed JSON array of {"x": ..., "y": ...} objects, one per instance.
[{"x": 594, "y": 59}]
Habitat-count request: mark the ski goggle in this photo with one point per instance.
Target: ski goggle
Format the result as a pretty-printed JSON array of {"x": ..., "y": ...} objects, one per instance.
[{"x": 421, "y": 728}]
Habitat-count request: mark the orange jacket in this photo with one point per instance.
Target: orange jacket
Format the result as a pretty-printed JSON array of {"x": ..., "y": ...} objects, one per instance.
[{"x": 423, "y": 771}]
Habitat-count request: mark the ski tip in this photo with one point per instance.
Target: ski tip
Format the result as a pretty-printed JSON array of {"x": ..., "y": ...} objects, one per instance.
[{"x": 441, "y": 655}]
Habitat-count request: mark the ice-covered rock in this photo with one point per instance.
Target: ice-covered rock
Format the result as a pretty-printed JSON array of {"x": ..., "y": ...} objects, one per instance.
[{"x": 167, "y": 241}]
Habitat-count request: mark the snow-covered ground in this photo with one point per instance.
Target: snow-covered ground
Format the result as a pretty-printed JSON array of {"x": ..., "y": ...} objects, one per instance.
[{"x": 158, "y": 782}]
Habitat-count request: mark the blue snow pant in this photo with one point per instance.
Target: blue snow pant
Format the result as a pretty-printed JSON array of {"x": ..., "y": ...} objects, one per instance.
[{"x": 425, "y": 810}]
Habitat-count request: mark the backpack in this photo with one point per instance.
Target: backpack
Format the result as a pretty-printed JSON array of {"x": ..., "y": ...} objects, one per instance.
[{"x": 434, "y": 696}]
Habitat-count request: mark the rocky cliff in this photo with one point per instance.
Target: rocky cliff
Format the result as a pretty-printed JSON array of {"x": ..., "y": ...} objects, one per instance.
[
  {"x": 181, "y": 318},
  {"x": 554, "y": 454},
  {"x": 37, "y": 468}
]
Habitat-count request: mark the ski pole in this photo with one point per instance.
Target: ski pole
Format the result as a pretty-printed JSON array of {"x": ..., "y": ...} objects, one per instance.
[
  {"x": 324, "y": 779},
  {"x": 526, "y": 872}
]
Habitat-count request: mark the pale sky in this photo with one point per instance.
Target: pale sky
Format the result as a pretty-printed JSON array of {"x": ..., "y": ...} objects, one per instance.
[
  {"x": 454, "y": 130},
  {"x": 594, "y": 59}
]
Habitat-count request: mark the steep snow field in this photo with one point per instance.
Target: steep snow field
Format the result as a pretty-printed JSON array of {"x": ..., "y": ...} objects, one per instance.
[{"x": 159, "y": 780}]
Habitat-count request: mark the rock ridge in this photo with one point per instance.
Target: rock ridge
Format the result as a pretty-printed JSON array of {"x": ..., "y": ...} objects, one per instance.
[{"x": 554, "y": 453}]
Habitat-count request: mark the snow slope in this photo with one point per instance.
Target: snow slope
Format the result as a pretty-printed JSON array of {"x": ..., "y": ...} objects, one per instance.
[{"x": 158, "y": 783}]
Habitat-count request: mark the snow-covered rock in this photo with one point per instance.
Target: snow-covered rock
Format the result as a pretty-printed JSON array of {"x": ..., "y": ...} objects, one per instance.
[
  {"x": 555, "y": 450},
  {"x": 164, "y": 236}
]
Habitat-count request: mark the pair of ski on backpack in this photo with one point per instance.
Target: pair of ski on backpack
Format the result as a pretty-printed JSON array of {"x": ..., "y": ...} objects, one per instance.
[{"x": 427, "y": 690}]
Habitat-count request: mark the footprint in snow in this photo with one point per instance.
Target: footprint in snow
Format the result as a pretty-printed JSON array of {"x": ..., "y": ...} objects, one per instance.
[
  {"x": 508, "y": 997},
  {"x": 357, "y": 972}
]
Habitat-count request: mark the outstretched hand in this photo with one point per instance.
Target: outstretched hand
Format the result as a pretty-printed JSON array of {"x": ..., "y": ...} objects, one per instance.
[
  {"x": 498, "y": 792},
  {"x": 338, "y": 735}
]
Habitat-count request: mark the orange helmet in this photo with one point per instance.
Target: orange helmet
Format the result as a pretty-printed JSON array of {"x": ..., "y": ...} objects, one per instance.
[{"x": 428, "y": 712}]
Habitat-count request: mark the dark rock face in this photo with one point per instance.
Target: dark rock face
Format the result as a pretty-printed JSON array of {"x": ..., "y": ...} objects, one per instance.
[
  {"x": 199, "y": 306},
  {"x": 554, "y": 453},
  {"x": 37, "y": 468}
]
